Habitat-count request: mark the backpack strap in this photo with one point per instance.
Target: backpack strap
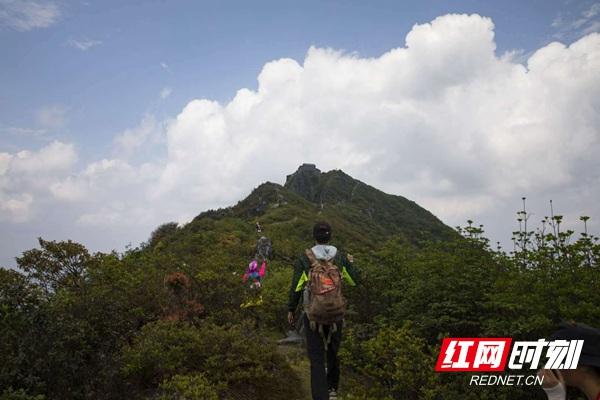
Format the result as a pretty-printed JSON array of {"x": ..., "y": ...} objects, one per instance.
[
  {"x": 326, "y": 338},
  {"x": 311, "y": 257}
]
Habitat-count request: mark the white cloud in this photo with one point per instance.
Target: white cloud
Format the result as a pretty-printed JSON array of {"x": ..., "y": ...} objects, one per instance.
[
  {"x": 442, "y": 120},
  {"x": 5, "y": 159},
  {"x": 28, "y": 175},
  {"x": 112, "y": 193},
  {"x": 83, "y": 44},
  {"x": 25, "y": 15},
  {"x": 441, "y": 117},
  {"x": 16, "y": 207},
  {"x": 164, "y": 65},
  {"x": 147, "y": 134},
  {"x": 57, "y": 157},
  {"x": 69, "y": 190},
  {"x": 165, "y": 92}
]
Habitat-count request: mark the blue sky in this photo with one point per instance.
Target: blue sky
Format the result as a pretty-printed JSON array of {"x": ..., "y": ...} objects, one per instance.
[{"x": 84, "y": 74}]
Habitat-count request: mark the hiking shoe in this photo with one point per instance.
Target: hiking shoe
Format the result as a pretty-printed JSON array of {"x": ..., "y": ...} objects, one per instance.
[{"x": 332, "y": 394}]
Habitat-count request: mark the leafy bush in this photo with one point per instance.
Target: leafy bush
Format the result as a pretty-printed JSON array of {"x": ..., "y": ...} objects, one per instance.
[
  {"x": 188, "y": 387},
  {"x": 10, "y": 394},
  {"x": 234, "y": 358},
  {"x": 396, "y": 362}
]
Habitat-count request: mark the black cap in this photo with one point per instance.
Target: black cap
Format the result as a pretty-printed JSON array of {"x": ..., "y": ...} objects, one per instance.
[
  {"x": 322, "y": 232},
  {"x": 590, "y": 353}
]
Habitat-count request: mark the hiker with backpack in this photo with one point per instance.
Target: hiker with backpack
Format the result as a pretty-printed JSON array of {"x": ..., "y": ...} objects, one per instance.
[
  {"x": 318, "y": 276},
  {"x": 254, "y": 274}
]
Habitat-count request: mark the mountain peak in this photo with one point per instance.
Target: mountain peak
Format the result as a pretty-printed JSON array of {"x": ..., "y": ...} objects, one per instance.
[
  {"x": 360, "y": 212},
  {"x": 306, "y": 168},
  {"x": 319, "y": 187},
  {"x": 305, "y": 182}
]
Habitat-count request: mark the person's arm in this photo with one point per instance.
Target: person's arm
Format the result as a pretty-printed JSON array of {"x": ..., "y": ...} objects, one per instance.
[
  {"x": 299, "y": 279},
  {"x": 350, "y": 272}
]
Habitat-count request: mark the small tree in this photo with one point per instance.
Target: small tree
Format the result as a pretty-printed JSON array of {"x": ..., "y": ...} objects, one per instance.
[
  {"x": 56, "y": 264},
  {"x": 161, "y": 232}
]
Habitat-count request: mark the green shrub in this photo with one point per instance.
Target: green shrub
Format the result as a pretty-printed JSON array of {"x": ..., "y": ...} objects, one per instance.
[
  {"x": 188, "y": 387},
  {"x": 233, "y": 358},
  {"x": 396, "y": 362},
  {"x": 10, "y": 394}
]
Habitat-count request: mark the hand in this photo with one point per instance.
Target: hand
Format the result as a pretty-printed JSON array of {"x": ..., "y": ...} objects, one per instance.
[
  {"x": 553, "y": 384},
  {"x": 551, "y": 378},
  {"x": 291, "y": 318},
  {"x": 350, "y": 258}
]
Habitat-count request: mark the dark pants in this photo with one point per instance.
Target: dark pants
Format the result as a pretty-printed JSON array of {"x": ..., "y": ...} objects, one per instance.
[{"x": 321, "y": 381}]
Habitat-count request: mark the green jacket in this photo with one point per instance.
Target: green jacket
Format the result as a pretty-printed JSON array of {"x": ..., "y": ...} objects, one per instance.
[{"x": 350, "y": 274}]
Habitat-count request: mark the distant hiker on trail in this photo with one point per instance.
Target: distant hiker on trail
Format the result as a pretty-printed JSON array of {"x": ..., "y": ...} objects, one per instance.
[
  {"x": 317, "y": 279},
  {"x": 254, "y": 274},
  {"x": 262, "y": 252},
  {"x": 263, "y": 249},
  {"x": 256, "y": 271}
]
